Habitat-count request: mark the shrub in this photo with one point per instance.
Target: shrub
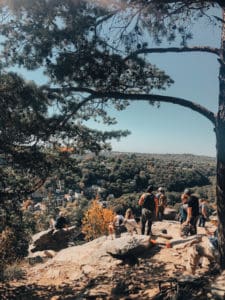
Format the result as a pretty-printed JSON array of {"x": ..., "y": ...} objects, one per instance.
[{"x": 96, "y": 220}]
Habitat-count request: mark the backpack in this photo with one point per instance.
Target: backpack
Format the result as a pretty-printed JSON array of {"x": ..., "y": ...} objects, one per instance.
[
  {"x": 148, "y": 201},
  {"x": 161, "y": 199}
]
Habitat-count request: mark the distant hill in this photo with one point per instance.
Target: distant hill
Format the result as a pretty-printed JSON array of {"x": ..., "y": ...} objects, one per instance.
[{"x": 179, "y": 157}]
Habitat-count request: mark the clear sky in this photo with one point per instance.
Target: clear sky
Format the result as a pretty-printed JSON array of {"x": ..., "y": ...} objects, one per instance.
[{"x": 174, "y": 129}]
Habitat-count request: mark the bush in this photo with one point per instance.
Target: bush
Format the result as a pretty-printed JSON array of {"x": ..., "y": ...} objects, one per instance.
[{"x": 96, "y": 221}]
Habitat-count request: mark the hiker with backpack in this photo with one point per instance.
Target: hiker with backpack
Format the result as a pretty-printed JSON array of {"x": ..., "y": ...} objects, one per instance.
[
  {"x": 147, "y": 203},
  {"x": 161, "y": 203},
  {"x": 192, "y": 214}
]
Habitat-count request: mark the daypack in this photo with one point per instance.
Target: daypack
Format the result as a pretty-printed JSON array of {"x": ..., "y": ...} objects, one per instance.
[
  {"x": 147, "y": 201},
  {"x": 162, "y": 200}
]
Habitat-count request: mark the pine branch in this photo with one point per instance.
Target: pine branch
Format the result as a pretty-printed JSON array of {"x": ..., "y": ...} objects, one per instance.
[
  {"x": 145, "y": 97},
  {"x": 175, "y": 50}
]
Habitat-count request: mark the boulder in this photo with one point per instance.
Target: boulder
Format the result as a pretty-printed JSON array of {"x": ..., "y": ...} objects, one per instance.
[
  {"x": 170, "y": 213},
  {"x": 54, "y": 239},
  {"x": 102, "y": 248},
  {"x": 95, "y": 258}
]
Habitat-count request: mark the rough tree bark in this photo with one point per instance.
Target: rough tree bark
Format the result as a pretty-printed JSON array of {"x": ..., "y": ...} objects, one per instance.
[{"x": 220, "y": 138}]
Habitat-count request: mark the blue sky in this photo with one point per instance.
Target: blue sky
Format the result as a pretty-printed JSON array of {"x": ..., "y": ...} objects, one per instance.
[{"x": 170, "y": 128}]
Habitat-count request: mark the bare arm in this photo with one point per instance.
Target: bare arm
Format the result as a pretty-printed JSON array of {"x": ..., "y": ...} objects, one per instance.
[{"x": 189, "y": 214}]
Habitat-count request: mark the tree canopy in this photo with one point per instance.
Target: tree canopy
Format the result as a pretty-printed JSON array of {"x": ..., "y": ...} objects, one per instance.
[{"x": 62, "y": 38}]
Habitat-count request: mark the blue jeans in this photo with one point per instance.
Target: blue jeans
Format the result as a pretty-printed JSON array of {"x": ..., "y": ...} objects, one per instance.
[
  {"x": 202, "y": 220},
  {"x": 183, "y": 214}
]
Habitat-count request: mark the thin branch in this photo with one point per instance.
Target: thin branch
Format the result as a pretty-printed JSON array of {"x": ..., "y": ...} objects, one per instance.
[
  {"x": 78, "y": 106},
  {"x": 105, "y": 18},
  {"x": 219, "y": 19},
  {"x": 174, "y": 49}
]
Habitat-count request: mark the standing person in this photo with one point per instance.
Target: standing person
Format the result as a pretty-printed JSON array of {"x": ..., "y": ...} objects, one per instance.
[
  {"x": 147, "y": 203},
  {"x": 130, "y": 222},
  {"x": 117, "y": 223},
  {"x": 184, "y": 205},
  {"x": 161, "y": 203},
  {"x": 192, "y": 213},
  {"x": 202, "y": 212}
]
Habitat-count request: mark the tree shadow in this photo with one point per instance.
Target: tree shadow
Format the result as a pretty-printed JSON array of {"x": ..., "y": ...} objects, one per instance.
[{"x": 34, "y": 291}]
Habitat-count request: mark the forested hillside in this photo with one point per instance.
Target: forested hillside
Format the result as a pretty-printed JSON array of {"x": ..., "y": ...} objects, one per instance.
[{"x": 123, "y": 173}]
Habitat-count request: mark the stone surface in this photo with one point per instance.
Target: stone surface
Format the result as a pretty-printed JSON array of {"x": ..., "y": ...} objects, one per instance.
[
  {"x": 53, "y": 239},
  {"x": 170, "y": 213},
  {"x": 97, "y": 270}
]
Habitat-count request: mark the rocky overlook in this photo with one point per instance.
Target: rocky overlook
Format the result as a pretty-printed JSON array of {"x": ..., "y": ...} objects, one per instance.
[{"x": 129, "y": 267}]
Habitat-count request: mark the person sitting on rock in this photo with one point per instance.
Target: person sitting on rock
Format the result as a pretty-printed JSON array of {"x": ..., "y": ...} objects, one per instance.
[
  {"x": 130, "y": 222},
  {"x": 60, "y": 222}
]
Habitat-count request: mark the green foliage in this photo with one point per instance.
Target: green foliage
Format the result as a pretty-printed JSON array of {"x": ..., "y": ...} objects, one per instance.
[
  {"x": 64, "y": 38},
  {"x": 126, "y": 201},
  {"x": 122, "y": 174}
]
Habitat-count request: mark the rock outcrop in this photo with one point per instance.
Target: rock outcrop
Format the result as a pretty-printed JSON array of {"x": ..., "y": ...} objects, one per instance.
[
  {"x": 170, "y": 214},
  {"x": 54, "y": 239},
  {"x": 128, "y": 267},
  {"x": 95, "y": 258}
]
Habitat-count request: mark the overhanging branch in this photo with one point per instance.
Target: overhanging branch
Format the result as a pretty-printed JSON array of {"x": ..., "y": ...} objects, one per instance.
[
  {"x": 173, "y": 49},
  {"x": 145, "y": 97},
  {"x": 166, "y": 99}
]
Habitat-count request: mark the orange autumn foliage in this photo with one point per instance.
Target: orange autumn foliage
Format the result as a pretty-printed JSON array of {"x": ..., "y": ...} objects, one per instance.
[{"x": 96, "y": 221}]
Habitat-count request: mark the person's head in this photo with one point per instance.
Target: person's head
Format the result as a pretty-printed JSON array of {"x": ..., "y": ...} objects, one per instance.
[
  {"x": 161, "y": 190},
  {"x": 184, "y": 198},
  {"x": 117, "y": 210},
  {"x": 202, "y": 200},
  {"x": 128, "y": 213},
  {"x": 61, "y": 214},
  {"x": 149, "y": 189},
  {"x": 187, "y": 192}
]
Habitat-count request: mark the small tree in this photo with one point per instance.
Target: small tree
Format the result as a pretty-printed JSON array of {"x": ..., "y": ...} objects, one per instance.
[{"x": 96, "y": 220}]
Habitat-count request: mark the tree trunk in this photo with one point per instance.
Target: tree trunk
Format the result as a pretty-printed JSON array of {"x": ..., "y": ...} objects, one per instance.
[{"x": 220, "y": 138}]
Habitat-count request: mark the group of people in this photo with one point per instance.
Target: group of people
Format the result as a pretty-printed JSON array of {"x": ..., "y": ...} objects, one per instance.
[
  {"x": 193, "y": 213},
  {"x": 121, "y": 223},
  {"x": 152, "y": 208}
]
